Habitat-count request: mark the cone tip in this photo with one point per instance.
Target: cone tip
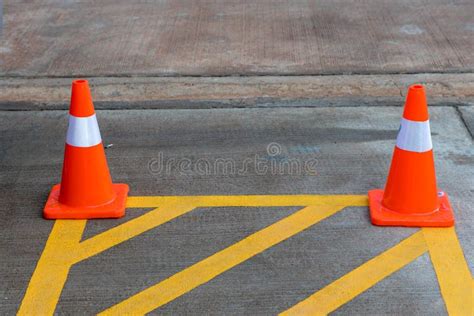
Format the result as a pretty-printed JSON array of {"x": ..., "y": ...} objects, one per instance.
[
  {"x": 80, "y": 82},
  {"x": 81, "y": 100},
  {"x": 416, "y": 107},
  {"x": 417, "y": 87}
]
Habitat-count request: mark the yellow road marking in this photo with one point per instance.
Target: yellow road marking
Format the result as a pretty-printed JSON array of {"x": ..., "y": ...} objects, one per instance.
[
  {"x": 454, "y": 277},
  {"x": 360, "y": 279},
  {"x": 64, "y": 249},
  {"x": 52, "y": 269},
  {"x": 249, "y": 200},
  {"x": 132, "y": 228},
  {"x": 472, "y": 292},
  {"x": 207, "y": 269}
]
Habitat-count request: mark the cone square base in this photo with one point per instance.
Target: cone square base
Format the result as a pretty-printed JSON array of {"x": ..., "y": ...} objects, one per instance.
[
  {"x": 115, "y": 209},
  {"x": 382, "y": 216}
]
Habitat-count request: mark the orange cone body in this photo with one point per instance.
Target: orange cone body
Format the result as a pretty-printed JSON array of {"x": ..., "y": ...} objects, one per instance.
[
  {"x": 86, "y": 189},
  {"x": 411, "y": 197}
]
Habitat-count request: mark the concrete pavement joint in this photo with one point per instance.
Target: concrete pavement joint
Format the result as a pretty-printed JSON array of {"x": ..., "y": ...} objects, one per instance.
[
  {"x": 213, "y": 105},
  {"x": 208, "y": 92},
  {"x": 245, "y": 74},
  {"x": 463, "y": 121}
]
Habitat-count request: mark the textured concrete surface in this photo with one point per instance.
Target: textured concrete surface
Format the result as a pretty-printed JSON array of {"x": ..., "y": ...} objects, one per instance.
[
  {"x": 321, "y": 80},
  {"x": 231, "y": 92},
  {"x": 216, "y": 38},
  {"x": 352, "y": 147}
]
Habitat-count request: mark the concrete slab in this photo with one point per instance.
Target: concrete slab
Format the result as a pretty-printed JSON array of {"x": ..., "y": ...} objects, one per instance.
[
  {"x": 394, "y": 295},
  {"x": 280, "y": 277},
  {"x": 350, "y": 148},
  {"x": 67, "y": 38}
]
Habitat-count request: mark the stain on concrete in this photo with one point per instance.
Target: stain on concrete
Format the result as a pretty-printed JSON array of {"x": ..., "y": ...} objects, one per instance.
[
  {"x": 411, "y": 29},
  {"x": 470, "y": 27}
]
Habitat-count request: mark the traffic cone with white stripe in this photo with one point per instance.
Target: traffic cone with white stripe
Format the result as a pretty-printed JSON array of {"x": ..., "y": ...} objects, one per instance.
[
  {"x": 411, "y": 197},
  {"x": 86, "y": 189}
]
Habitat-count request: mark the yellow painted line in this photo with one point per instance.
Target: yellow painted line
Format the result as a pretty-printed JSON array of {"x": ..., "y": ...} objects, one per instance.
[
  {"x": 52, "y": 269},
  {"x": 64, "y": 249},
  {"x": 249, "y": 200},
  {"x": 454, "y": 277},
  {"x": 130, "y": 229},
  {"x": 362, "y": 278},
  {"x": 207, "y": 269},
  {"x": 472, "y": 292}
]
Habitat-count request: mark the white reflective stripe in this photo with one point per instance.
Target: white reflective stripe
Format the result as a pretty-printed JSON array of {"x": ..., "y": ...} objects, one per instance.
[
  {"x": 414, "y": 136},
  {"x": 83, "y": 131}
]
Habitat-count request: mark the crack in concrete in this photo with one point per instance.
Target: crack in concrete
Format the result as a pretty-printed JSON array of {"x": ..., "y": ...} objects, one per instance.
[{"x": 463, "y": 121}]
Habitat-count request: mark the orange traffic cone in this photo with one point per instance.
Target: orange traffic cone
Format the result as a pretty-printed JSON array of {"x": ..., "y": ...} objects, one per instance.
[
  {"x": 411, "y": 197},
  {"x": 86, "y": 189}
]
